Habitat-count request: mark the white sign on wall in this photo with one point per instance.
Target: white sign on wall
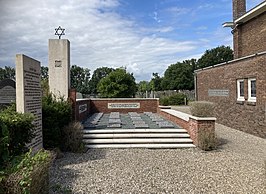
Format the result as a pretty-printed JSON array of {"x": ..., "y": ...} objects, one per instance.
[
  {"x": 123, "y": 105},
  {"x": 83, "y": 108}
]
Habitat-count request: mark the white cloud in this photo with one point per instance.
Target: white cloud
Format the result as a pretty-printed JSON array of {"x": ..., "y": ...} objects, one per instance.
[{"x": 99, "y": 36}]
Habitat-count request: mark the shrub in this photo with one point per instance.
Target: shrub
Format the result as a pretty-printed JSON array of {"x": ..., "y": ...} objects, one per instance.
[
  {"x": 164, "y": 101},
  {"x": 29, "y": 175},
  {"x": 20, "y": 130},
  {"x": 207, "y": 140},
  {"x": 56, "y": 113},
  {"x": 4, "y": 143},
  {"x": 176, "y": 99},
  {"x": 202, "y": 109},
  {"x": 72, "y": 135}
]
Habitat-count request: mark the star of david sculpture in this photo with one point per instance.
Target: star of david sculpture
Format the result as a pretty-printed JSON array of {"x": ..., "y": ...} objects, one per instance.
[{"x": 59, "y": 32}]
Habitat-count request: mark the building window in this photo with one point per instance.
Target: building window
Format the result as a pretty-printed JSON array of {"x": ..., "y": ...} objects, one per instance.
[
  {"x": 240, "y": 90},
  {"x": 252, "y": 90}
]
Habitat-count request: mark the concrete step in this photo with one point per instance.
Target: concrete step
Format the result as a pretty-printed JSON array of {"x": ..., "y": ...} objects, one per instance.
[
  {"x": 139, "y": 140},
  {"x": 134, "y": 135},
  {"x": 156, "y": 146},
  {"x": 103, "y": 131}
]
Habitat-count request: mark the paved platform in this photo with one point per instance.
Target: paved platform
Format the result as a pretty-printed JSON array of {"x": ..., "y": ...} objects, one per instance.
[{"x": 132, "y": 120}]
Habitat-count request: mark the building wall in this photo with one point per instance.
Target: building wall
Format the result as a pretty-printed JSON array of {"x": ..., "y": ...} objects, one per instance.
[
  {"x": 244, "y": 116},
  {"x": 250, "y": 37}
]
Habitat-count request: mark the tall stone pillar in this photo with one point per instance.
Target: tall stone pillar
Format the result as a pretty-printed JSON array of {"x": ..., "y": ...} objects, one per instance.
[{"x": 59, "y": 67}]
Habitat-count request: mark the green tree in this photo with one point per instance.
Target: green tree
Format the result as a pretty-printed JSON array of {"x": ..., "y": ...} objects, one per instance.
[
  {"x": 215, "y": 56},
  {"x": 97, "y": 75},
  {"x": 118, "y": 84},
  {"x": 79, "y": 79},
  {"x": 155, "y": 83},
  {"x": 143, "y": 86},
  {"x": 44, "y": 80},
  {"x": 7, "y": 72},
  {"x": 44, "y": 72},
  {"x": 178, "y": 76}
]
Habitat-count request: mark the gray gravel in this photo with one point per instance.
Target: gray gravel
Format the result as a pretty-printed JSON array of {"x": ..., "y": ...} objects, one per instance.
[{"x": 238, "y": 166}]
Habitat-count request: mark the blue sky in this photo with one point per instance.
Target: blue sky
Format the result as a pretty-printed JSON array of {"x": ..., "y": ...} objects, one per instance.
[{"x": 146, "y": 36}]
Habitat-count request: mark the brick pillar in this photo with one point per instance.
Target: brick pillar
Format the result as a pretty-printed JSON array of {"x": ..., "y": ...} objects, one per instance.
[
  {"x": 239, "y": 8},
  {"x": 72, "y": 98}
]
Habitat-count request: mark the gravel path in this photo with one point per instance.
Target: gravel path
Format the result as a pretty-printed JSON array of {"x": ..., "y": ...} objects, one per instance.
[{"x": 238, "y": 166}]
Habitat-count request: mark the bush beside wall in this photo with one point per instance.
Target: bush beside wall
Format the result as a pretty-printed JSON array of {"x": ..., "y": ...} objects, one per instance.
[
  {"x": 17, "y": 129},
  {"x": 202, "y": 109},
  {"x": 56, "y": 115},
  {"x": 176, "y": 99}
]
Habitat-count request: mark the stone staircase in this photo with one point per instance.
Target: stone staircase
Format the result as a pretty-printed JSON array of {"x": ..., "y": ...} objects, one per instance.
[{"x": 137, "y": 138}]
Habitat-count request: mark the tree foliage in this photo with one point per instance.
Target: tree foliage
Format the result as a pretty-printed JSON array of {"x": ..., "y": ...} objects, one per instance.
[
  {"x": 143, "y": 86},
  {"x": 155, "y": 83},
  {"x": 44, "y": 72},
  {"x": 178, "y": 76},
  {"x": 7, "y": 72},
  {"x": 215, "y": 56},
  {"x": 118, "y": 84},
  {"x": 98, "y": 74},
  {"x": 79, "y": 79}
]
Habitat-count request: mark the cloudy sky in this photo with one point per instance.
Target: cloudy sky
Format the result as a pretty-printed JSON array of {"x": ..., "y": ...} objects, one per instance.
[{"x": 144, "y": 35}]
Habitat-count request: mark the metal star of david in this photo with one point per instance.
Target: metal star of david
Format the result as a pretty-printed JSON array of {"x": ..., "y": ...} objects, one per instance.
[{"x": 59, "y": 32}]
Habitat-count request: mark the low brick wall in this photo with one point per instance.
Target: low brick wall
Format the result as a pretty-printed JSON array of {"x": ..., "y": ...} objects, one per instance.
[
  {"x": 145, "y": 105},
  {"x": 82, "y": 109},
  {"x": 193, "y": 125}
]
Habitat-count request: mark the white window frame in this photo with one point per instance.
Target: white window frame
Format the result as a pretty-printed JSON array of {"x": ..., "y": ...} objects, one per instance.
[
  {"x": 250, "y": 98},
  {"x": 240, "y": 98}
]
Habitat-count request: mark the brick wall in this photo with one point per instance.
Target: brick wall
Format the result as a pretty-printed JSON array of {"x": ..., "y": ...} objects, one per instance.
[
  {"x": 250, "y": 38},
  {"x": 82, "y": 109},
  {"x": 244, "y": 116},
  {"x": 146, "y": 105},
  {"x": 193, "y": 125}
]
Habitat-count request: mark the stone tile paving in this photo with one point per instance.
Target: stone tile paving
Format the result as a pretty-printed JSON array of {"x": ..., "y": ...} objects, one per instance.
[{"x": 127, "y": 121}]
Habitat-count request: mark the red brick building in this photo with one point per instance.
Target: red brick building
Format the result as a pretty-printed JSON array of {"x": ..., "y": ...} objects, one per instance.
[{"x": 238, "y": 87}]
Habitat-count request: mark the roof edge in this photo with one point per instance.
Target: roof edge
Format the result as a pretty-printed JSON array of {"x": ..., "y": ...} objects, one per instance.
[
  {"x": 259, "y": 9},
  {"x": 232, "y": 61}
]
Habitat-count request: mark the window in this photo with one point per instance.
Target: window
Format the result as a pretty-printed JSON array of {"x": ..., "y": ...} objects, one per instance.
[
  {"x": 252, "y": 90},
  {"x": 240, "y": 90}
]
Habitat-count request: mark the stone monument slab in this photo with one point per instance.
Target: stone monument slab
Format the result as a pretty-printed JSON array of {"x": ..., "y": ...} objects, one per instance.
[
  {"x": 29, "y": 94},
  {"x": 7, "y": 91}
]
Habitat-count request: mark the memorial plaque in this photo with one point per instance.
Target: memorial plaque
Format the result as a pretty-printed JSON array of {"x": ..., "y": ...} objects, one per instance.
[
  {"x": 114, "y": 115},
  {"x": 216, "y": 92},
  {"x": 83, "y": 108},
  {"x": 7, "y": 91},
  {"x": 157, "y": 119},
  {"x": 89, "y": 126},
  {"x": 114, "y": 125},
  {"x": 29, "y": 94},
  {"x": 114, "y": 121},
  {"x": 141, "y": 126},
  {"x": 165, "y": 124},
  {"x": 138, "y": 122},
  {"x": 123, "y": 105},
  {"x": 133, "y": 114},
  {"x": 58, "y": 63},
  {"x": 136, "y": 118}
]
